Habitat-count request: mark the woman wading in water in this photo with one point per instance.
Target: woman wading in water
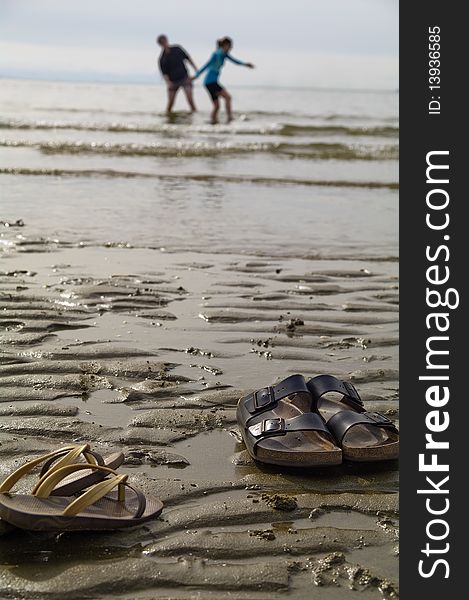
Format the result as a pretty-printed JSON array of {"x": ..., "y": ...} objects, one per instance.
[{"x": 213, "y": 68}]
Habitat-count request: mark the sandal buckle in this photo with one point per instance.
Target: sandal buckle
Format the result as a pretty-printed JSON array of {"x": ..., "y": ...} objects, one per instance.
[
  {"x": 273, "y": 425},
  {"x": 377, "y": 417},
  {"x": 263, "y": 398}
]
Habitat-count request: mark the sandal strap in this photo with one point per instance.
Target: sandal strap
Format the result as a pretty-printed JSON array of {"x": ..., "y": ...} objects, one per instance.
[
  {"x": 99, "y": 490},
  {"x": 68, "y": 455},
  {"x": 89, "y": 455},
  {"x": 94, "y": 493},
  {"x": 48, "y": 481},
  {"x": 322, "y": 384},
  {"x": 268, "y": 397},
  {"x": 343, "y": 420},
  {"x": 278, "y": 427}
]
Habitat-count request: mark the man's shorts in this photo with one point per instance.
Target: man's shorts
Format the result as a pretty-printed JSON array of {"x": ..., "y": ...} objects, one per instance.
[
  {"x": 185, "y": 83},
  {"x": 214, "y": 90}
]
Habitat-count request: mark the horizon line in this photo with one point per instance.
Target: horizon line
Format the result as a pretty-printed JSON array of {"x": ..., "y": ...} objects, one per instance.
[{"x": 120, "y": 81}]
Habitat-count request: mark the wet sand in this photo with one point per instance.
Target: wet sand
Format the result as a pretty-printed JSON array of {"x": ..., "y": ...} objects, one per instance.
[{"x": 152, "y": 362}]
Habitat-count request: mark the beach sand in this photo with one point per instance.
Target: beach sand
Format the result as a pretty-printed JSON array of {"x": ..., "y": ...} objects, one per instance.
[{"x": 142, "y": 295}]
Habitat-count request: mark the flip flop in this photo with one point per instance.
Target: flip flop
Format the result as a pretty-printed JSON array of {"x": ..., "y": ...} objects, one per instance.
[
  {"x": 62, "y": 457},
  {"x": 97, "y": 508},
  {"x": 362, "y": 435},
  {"x": 279, "y": 427}
]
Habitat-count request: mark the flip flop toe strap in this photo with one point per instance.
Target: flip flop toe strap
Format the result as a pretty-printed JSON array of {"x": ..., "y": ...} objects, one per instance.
[
  {"x": 276, "y": 426},
  {"x": 268, "y": 397},
  {"x": 340, "y": 423}
]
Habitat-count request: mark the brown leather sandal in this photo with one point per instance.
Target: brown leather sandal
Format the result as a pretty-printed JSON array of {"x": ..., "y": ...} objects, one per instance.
[
  {"x": 280, "y": 427},
  {"x": 363, "y": 436}
]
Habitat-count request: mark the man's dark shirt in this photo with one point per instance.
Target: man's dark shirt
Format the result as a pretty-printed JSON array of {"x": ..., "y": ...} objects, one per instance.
[{"x": 172, "y": 63}]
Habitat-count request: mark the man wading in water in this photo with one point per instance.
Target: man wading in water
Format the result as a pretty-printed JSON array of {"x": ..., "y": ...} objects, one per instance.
[{"x": 172, "y": 66}]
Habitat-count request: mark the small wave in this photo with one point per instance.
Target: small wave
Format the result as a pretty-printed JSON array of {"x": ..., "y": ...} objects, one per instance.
[
  {"x": 160, "y": 149},
  {"x": 321, "y": 117},
  {"x": 325, "y": 151},
  {"x": 376, "y": 131},
  {"x": 275, "y": 181},
  {"x": 236, "y": 128},
  {"x": 165, "y": 128},
  {"x": 244, "y": 115},
  {"x": 105, "y": 111},
  {"x": 313, "y": 151}
]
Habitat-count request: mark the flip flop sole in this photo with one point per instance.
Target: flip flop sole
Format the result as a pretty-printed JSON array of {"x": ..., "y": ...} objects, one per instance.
[{"x": 45, "y": 514}]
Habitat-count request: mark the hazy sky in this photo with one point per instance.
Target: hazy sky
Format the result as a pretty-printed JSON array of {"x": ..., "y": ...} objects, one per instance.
[{"x": 318, "y": 43}]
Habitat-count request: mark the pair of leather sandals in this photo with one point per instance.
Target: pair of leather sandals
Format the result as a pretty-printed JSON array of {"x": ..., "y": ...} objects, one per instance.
[{"x": 299, "y": 423}]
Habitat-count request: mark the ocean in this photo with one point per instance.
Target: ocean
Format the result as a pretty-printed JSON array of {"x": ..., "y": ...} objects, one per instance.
[{"x": 331, "y": 156}]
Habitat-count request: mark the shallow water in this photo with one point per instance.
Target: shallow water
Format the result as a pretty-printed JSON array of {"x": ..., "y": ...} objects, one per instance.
[{"x": 164, "y": 267}]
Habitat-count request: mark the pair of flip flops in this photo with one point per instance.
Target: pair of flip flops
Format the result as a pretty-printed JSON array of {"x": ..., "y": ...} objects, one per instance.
[
  {"x": 77, "y": 488},
  {"x": 299, "y": 423}
]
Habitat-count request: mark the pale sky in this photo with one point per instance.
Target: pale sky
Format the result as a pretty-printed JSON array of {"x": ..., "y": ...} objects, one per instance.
[{"x": 303, "y": 43}]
